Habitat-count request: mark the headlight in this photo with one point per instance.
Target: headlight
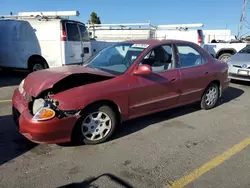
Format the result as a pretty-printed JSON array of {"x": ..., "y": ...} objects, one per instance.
[
  {"x": 44, "y": 114},
  {"x": 20, "y": 87}
]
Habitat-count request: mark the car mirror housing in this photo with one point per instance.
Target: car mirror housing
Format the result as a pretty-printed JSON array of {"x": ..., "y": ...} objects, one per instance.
[{"x": 142, "y": 70}]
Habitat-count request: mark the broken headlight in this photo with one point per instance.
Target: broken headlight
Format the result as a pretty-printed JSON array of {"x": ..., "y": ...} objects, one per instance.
[{"x": 44, "y": 114}]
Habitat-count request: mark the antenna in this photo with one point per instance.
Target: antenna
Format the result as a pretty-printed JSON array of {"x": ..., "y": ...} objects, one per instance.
[{"x": 243, "y": 21}]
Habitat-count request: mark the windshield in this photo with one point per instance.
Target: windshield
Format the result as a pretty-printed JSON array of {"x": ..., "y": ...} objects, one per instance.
[
  {"x": 116, "y": 59},
  {"x": 245, "y": 50}
]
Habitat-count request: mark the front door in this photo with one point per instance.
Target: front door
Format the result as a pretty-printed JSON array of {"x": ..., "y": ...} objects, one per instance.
[
  {"x": 159, "y": 90},
  {"x": 73, "y": 45},
  {"x": 192, "y": 67}
]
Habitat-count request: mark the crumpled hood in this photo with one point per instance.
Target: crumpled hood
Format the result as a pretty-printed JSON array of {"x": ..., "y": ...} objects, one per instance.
[{"x": 39, "y": 81}]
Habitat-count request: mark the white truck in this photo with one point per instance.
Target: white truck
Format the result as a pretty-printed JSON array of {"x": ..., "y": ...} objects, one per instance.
[
  {"x": 38, "y": 40},
  {"x": 223, "y": 50},
  {"x": 132, "y": 31}
]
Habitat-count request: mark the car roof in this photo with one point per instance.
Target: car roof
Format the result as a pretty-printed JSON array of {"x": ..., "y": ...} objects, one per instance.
[{"x": 155, "y": 42}]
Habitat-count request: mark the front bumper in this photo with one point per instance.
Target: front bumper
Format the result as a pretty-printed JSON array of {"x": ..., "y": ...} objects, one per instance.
[
  {"x": 237, "y": 73},
  {"x": 51, "y": 131}
]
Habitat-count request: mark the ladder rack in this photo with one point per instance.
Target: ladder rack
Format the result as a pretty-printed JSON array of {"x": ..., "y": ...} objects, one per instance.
[
  {"x": 42, "y": 15},
  {"x": 121, "y": 26},
  {"x": 134, "y": 26}
]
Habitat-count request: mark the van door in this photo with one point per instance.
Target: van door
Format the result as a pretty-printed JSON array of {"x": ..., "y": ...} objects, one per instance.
[
  {"x": 73, "y": 46},
  {"x": 85, "y": 40}
]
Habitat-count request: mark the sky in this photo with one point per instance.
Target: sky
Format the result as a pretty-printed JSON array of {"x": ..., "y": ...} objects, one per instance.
[{"x": 214, "y": 14}]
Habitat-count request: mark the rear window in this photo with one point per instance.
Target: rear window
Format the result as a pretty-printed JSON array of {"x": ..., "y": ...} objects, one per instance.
[{"x": 200, "y": 33}]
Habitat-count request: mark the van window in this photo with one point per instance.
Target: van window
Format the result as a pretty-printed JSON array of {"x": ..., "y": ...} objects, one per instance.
[
  {"x": 73, "y": 32},
  {"x": 84, "y": 33}
]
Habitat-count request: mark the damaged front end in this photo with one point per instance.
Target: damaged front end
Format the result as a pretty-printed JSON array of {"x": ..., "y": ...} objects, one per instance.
[{"x": 44, "y": 106}]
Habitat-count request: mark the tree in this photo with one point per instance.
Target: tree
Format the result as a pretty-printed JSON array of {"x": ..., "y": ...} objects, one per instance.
[{"x": 94, "y": 19}]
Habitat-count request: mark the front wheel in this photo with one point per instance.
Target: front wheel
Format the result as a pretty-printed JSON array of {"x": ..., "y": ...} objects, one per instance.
[
  {"x": 96, "y": 125},
  {"x": 210, "y": 97}
]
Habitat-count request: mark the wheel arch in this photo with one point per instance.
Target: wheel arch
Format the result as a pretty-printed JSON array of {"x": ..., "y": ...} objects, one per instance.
[
  {"x": 226, "y": 50},
  {"x": 34, "y": 57},
  {"x": 217, "y": 82},
  {"x": 109, "y": 103}
]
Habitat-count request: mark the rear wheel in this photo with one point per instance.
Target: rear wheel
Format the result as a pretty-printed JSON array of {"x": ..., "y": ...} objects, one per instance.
[
  {"x": 210, "y": 97},
  {"x": 96, "y": 125}
]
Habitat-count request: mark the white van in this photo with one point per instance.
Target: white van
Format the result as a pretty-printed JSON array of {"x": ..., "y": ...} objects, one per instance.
[
  {"x": 193, "y": 35},
  {"x": 36, "y": 43}
]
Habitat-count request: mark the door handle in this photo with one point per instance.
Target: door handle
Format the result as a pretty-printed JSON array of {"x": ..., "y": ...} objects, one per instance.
[
  {"x": 173, "y": 79},
  {"x": 72, "y": 55},
  {"x": 206, "y": 72}
]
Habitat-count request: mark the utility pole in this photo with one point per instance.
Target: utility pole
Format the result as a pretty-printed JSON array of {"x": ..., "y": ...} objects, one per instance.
[{"x": 243, "y": 20}]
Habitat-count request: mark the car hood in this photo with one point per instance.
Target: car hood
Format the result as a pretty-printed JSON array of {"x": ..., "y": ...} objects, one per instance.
[
  {"x": 240, "y": 58},
  {"x": 39, "y": 81}
]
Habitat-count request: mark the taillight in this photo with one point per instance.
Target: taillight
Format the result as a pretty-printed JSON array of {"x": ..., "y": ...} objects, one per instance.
[
  {"x": 63, "y": 35},
  {"x": 199, "y": 39}
]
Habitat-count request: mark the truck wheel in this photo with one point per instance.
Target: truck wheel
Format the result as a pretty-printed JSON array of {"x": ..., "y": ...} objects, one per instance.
[{"x": 225, "y": 57}]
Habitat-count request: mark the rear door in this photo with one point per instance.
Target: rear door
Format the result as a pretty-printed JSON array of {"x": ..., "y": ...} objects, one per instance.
[
  {"x": 193, "y": 72},
  {"x": 85, "y": 41},
  {"x": 73, "y": 45}
]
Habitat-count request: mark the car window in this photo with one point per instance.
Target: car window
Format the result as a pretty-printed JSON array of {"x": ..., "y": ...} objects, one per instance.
[
  {"x": 189, "y": 56},
  {"x": 73, "y": 32},
  {"x": 84, "y": 33},
  {"x": 160, "y": 58},
  {"x": 117, "y": 58},
  {"x": 245, "y": 50}
]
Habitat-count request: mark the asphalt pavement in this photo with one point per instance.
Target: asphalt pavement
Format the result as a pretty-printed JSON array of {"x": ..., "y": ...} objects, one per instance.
[{"x": 181, "y": 147}]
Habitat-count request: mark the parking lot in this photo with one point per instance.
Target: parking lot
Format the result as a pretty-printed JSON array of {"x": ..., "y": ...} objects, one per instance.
[{"x": 180, "y": 147}]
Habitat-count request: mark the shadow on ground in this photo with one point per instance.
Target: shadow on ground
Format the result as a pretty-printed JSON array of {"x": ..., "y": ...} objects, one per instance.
[
  {"x": 138, "y": 124},
  {"x": 12, "y": 144},
  {"x": 11, "y": 78},
  {"x": 89, "y": 183},
  {"x": 135, "y": 125},
  {"x": 240, "y": 82}
]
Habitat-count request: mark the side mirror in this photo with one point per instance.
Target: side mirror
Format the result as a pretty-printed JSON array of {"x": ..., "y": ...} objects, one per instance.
[{"x": 142, "y": 70}]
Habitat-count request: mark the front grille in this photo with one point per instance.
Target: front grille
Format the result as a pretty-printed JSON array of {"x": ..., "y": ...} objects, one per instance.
[
  {"x": 238, "y": 66},
  {"x": 16, "y": 114},
  {"x": 239, "y": 76}
]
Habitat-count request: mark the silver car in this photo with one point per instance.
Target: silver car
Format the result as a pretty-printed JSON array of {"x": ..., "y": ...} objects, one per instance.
[{"x": 239, "y": 65}]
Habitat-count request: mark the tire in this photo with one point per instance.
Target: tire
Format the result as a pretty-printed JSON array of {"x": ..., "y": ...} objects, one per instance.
[
  {"x": 206, "y": 103},
  {"x": 224, "y": 57},
  {"x": 80, "y": 133},
  {"x": 37, "y": 64}
]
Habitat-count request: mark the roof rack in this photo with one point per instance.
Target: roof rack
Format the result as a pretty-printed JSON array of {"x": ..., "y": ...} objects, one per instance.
[
  {"x": 180, "y": 26},
  {"x": 42, "y": 15},
  {"x": 118, "y": 26},
  {"x": 147, "y": 25}
]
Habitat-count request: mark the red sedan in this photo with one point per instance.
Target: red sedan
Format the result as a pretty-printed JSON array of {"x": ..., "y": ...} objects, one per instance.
[{"x": 124, "y": 81}]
